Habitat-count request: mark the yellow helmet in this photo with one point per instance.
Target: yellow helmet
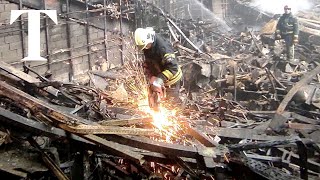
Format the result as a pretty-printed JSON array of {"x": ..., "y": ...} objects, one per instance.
[{"x": 144, "y": 36}]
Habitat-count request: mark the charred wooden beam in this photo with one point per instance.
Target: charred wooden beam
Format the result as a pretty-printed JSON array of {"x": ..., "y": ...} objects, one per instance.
[
  {"x": 201, "y": 137},
  {"x": 116, "y": 167},
  {"x": 123, "y": 122},
  {"x": 167, "y": 148},
  {"x": 155, "y": 146},
  {"x": 38, "y": 128},
  {"x": 115, "y": 148},
  {"x": 160, "y": 158},
  {"x": 36, "y": 105},
  {"x": 243, "y": 133},
  {"x": 21, "y": 75},
  {"x": 98, "y": 129},
  {"x": 304, "y": 119},
  {"x": 278, "y": 122},
  {"x": 48, "y": 161},
  {"x": 300, "y": 126},
  {"x": 27, "y": 78}
]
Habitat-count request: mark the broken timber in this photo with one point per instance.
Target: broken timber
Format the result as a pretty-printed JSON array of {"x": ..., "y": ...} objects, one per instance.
[{"x": 278, "y": 121}]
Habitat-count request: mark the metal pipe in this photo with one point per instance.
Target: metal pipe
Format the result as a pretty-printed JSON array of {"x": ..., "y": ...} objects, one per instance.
[
  {"x": 71, "y": 71},
  {"x": 121, "y": 33},
  {"x": 172, "y": 33},
  {"x": 186, "y": 38},
  {"x": 47, "y": 36},
  {"x": 21, "y": 26},
  {"x": 105, "y": 30},
  {"x": 88, "y": 35}
]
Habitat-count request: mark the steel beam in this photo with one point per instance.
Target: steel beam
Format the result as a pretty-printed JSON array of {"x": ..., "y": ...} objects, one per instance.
[
  {"x": 269, "y": 172},
  {"x": 290, "y": 157}
]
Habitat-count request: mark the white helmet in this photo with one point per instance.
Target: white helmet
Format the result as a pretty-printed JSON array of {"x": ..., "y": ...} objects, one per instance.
[{"x": 144, "y": 36}]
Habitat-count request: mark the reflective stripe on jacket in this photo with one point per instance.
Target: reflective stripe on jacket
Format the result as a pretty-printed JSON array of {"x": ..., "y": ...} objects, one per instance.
[
  {"x": 288, "y": 24},
  {"x": 162, "y": 62}
]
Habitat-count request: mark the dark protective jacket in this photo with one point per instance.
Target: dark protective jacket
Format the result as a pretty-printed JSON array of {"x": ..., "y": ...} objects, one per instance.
[
  {"x": 161, "y": 61},
  {"x": 288, "y": 24}
]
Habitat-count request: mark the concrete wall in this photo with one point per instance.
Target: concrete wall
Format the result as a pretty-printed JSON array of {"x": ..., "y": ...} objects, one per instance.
[{"x": 11, "y": 47}]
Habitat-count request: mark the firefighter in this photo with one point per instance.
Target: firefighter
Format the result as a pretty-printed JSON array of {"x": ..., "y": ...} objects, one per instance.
[
  {"x": 288, "y": 29},
  {"x": 161, "y": 64}
]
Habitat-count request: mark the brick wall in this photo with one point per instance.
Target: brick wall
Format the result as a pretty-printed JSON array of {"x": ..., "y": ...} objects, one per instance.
[{"x": 80, "y": 52}]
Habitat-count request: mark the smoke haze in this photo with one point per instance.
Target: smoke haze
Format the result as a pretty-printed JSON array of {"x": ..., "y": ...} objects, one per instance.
[{"x": 276, "y": 6}]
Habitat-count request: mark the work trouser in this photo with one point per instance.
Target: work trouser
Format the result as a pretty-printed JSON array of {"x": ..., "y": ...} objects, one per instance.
[
  {"x": 173, "y": 93},
  {"x": 288, "y": 38}
]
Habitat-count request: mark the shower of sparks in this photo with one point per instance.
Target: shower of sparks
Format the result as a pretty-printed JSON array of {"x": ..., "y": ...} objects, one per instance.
[{"x": 164, "y": 120}]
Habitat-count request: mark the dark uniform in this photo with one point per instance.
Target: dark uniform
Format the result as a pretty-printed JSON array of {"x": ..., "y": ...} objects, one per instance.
[
  {"x": 288, "y": 30},
  {"x": 162, "y": 63}
]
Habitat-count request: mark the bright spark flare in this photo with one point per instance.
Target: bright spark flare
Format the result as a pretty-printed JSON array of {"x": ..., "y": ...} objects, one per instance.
[{"x": 165, "y": 119}]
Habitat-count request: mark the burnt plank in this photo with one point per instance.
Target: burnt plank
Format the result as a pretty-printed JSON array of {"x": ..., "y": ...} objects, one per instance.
[
  {"x": 38, "y": 106},
  {"x": 304, "y": 119},
  {"x": 26, "y": 77},
  {"x": 37, "y": 128},
  {"x": 115, "y": 148},
  {"x": 201, "y": 137},
  {"x": 242, "y": 133},
  {"x": 163, "y": 147}
]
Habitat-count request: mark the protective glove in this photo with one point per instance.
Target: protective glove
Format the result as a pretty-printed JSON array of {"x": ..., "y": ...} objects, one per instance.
[
  {"x": 295, "y": 39},
  {"x": 157, "y": 84},
  {"x": 277, "y": 35}
]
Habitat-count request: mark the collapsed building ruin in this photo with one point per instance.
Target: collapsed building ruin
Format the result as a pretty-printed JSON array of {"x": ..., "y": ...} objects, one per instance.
[{"x": 246, "y": 113}]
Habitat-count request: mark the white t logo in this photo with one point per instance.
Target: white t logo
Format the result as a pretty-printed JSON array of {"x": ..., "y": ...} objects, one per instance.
[{"x": 34, "y": 30}]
